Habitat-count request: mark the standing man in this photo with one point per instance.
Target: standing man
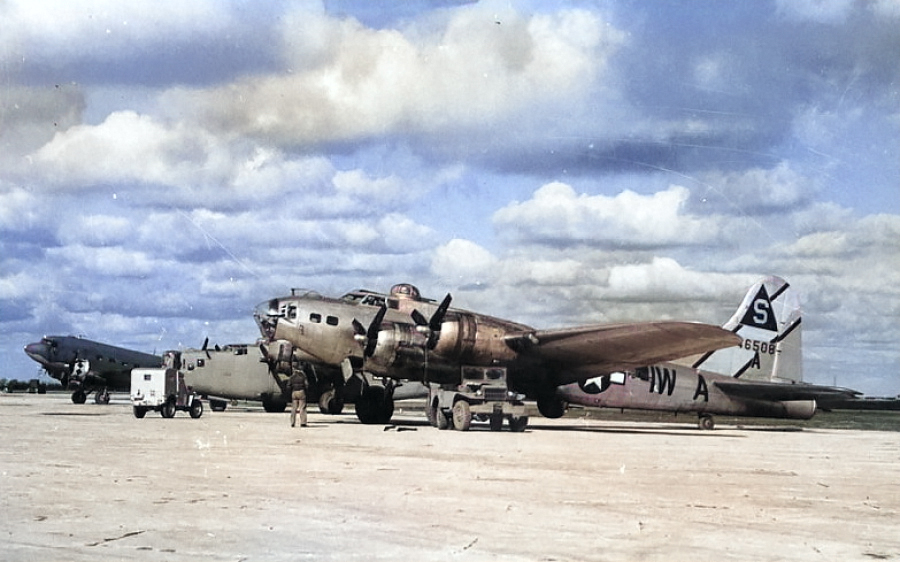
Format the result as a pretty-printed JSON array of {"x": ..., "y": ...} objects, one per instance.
[{"x": 297, "y": 384}]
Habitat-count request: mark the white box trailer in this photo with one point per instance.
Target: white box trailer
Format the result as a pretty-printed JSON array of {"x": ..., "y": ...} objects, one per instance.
[{"x": 164, "y": 391}]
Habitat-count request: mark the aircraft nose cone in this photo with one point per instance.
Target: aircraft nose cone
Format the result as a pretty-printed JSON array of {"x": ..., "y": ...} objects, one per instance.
[
  {"x": 266, "y": 316},
  {"x": 37, "y": 351}
]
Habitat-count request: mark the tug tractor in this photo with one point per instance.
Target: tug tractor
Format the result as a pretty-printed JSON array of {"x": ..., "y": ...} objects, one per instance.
[
  {"x": 482, "y": 395},
  {"x": 164, "y": 391}
]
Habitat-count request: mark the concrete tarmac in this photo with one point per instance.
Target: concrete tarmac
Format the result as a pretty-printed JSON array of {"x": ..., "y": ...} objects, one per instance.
[{"x": 88, "y": 482}]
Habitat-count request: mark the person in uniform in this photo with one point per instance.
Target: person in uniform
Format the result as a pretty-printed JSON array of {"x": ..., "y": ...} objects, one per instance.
[{"x": 297, "y": 385}]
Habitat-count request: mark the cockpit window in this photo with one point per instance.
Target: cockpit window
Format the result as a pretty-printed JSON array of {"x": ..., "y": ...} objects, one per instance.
[{"x": 373, "y": 300}]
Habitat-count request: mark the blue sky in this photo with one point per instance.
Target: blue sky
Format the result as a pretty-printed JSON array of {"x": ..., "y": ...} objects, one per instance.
[{"x": 164, "y": 166}]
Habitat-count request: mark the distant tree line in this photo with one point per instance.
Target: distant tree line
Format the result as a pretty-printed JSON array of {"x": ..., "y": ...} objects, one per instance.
[{"x": 33, "y": 386}]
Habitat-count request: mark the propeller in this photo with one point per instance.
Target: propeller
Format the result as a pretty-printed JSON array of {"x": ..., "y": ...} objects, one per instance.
[
  {"x": 205, "y": 344},
  {"x": 369, "y": 336},
  {"x": 432, "y": 328}
]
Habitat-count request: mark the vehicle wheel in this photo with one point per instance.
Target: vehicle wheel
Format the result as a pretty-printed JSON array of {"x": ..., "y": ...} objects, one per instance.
[
  {"x": 496, "y": 422},
  {"x": 442, "y": 420},
  {"x": 517, "y": 424},
  {"x": 168, "y": 409},
  {"x": 79, "y": 397},
  {"x": 196, "y": 408},
  {"x": 706, "y": 422},
  {"x": 431, "y": 412},
  {"x": 462, "y": 416},
  {"x": 139, "y": 412}
]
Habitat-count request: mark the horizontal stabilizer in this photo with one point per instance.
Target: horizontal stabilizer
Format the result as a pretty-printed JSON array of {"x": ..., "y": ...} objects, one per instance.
[{"x": 782, "y": 391}]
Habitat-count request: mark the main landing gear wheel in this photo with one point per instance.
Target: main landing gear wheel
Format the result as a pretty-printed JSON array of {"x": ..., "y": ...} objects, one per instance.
[
  {"x": 462, "y": 416},
  {"x": 706, "y": 422},
  {"x": 270, "y": 405},
  {"x": 375, "y": 406},
  {"x": 496, "y": 422},
  {"x": 331, "y": 403},
  {"x": 168, "y": 409},
  {"x": 551, "y": 407},
  {"x": 101, "y": 397},
  {"x": 79, "y": 397}
]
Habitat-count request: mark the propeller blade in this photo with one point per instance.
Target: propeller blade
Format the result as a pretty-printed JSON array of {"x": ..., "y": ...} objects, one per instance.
[
  {"x": 438, "y": 317},
  {"x": 205, "y": 344},
  {"x": 372, "y": 332},
  {"x": 418, "y": 318}
]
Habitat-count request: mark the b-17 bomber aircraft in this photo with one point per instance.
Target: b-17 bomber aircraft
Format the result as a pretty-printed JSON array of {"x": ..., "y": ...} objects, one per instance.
[
  {"x": 259, "y": 372},
  {"x": 762, "y": 377},
  {"x": 476, "y": 366},
  {"x": 84, "y": 366}
]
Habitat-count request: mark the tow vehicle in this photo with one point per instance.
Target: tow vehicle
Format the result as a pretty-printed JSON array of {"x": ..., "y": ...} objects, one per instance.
[
  {"x": 162, "y": 390},
  {"x": 482, "y": 395}
]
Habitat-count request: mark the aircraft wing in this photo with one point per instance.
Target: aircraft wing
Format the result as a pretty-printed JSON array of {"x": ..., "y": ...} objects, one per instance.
[
  {"x": 586, "y": 350},
  {"x": 783, "y": 391}
]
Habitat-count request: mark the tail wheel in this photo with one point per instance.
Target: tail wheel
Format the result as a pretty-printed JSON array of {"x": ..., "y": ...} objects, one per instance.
[
  {"x": 706, "y": 422},
  {"x": 462, "y": 416}
]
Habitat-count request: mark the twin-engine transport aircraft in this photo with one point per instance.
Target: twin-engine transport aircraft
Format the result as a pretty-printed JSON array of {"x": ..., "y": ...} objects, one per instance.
[
  {"x": 84, "y": 366},
  {"x": 402, "y": 336},
  {"x": 760, "y": 378}
]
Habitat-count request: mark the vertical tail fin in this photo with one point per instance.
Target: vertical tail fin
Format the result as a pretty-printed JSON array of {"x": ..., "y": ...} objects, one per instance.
[{"x": 768, "y": 321}]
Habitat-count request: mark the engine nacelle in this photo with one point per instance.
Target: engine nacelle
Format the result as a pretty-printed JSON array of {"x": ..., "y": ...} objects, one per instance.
[
  {"x": 80, "y": 370},
  {"x": 399, "y": 345}
]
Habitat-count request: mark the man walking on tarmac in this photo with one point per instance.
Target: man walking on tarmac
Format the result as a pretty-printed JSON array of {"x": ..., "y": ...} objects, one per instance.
[{"x": 297, "y": 384}]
